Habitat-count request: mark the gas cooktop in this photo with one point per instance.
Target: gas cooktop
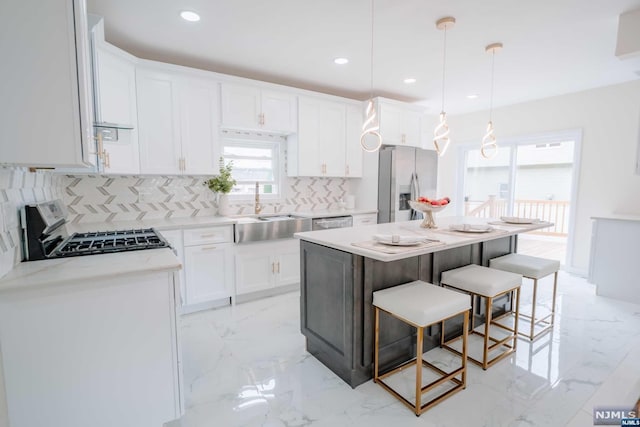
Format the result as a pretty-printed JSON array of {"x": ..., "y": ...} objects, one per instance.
[
  {"x": 45, "y": 235},
  {"x": 110, "y": 241}
]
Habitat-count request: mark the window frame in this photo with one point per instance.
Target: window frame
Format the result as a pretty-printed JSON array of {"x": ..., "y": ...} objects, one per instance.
[{"x": 278, "y": 158}]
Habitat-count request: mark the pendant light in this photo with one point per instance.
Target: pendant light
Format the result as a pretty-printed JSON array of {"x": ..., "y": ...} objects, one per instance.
[
  {"x": 371, "y": 126},
  {"x": 441, "y": 132},
  {"x": 489, "y": 146}
]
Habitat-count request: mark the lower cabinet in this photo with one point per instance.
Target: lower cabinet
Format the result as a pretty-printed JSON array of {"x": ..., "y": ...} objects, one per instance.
[
  {"x": 263, "y": 266},
  {"x": 206, "y": 278}
]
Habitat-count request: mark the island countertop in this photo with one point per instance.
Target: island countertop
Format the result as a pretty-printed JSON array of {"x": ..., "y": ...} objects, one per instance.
[{"x": 344, "y": 238}]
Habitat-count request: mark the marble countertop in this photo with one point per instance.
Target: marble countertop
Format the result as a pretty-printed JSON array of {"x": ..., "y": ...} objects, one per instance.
[
  {"x": 196, "y": 222},
  {"x": 343, "y": 238},
  {"x": 41, "y": 274}
]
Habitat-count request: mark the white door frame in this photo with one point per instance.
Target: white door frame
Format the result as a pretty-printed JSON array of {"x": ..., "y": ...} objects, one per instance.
[{"x": 574, "y": 135}]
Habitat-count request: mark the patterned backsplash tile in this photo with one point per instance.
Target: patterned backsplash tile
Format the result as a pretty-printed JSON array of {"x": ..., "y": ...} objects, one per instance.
[{"x": 97, "y": 198}]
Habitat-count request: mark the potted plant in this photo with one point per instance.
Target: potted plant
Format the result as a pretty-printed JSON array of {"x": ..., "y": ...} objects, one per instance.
[{"x": 221, "y": 185}]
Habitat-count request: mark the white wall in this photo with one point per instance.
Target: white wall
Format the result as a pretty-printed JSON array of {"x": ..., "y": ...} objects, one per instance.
[{"x": 609, "y": 118}]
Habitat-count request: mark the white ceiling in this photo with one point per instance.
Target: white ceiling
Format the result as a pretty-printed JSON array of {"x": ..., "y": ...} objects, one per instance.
[{"x": 551, "y": 47}]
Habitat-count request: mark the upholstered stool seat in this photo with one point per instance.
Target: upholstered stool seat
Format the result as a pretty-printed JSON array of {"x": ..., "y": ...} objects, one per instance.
[
  {"x": 420, "y": 305},
  {"x": 533, "y": 268},
  {"x": 487, "y": 283}
]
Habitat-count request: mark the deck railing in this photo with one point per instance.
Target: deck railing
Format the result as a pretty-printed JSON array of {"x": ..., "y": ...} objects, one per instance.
[{"x": 555, "y": 211}]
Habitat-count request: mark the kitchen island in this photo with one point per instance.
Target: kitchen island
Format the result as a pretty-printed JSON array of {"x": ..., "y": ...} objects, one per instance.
[{"x": 341, "y": 268}]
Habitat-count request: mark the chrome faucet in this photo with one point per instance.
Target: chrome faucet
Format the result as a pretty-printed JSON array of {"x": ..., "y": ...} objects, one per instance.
[{"x": 257, "y": 207}]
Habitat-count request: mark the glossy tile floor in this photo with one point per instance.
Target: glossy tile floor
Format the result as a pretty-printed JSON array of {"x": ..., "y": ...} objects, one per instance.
[{"x": 247, "y": 366}]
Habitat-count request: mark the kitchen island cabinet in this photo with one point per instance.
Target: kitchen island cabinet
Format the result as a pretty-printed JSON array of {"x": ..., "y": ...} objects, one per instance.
[
  {"x": 92, "y": 341},
  {"x": 338, "y": 280}
]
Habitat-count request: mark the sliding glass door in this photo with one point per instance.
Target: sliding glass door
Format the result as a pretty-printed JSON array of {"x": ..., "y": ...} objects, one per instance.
[{"x": 532, "y": 178}]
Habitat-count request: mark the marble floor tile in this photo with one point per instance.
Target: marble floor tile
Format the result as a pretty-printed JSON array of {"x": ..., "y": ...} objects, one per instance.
[{"x": 247, "y": 366}]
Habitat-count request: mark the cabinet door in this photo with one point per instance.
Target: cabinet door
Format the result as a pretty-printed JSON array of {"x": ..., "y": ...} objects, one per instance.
[
  {"x": 411, "y": 129},
  {"x": 365, "y": 219},
  {"x": 240, "y": 106},
  {"x": 279, "y": 111},
  {"x": 332, "y": 138},
  {"x": 309, "y": 129},
  {"x": 255, "y": 268},
  {"x": 353, "y": 150},
  {"x": 390, "y": 124},
  {"x": 288, "y": 262},
  {"x": 45, "y": 85},
  {"x": 198, "y": 107},
  {"x": 158, "y": 127},
  {"x": 115, "y": 77},
  {"x": 207, "y": 272}
]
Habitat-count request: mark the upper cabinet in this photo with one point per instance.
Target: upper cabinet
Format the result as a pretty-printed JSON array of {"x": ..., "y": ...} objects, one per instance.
[
  {"x": 400, "y": 123},
  {"x": 45, "y": 84},
  {"x": 115, "y": 105},
  {"x": 325, "y": 139},
  {"x": 177, "y": 123},
  {"x": 253, "y": 108}
]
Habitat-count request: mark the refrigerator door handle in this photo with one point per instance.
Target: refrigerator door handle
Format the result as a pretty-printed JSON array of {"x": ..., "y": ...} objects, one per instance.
[{"x": 415, "y": 192}]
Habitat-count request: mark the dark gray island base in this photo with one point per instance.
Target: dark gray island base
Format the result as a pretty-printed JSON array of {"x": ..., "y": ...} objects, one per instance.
[{"x": 336, "y": 311}]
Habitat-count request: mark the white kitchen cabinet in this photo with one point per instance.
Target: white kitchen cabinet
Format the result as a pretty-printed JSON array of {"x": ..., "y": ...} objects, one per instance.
[
  {"x": 45, "y": 85},
  {"x": 353, "y": 149},
  {"x": 267, "y": 265},
  {"x": 253, "y": 108},
  {"x": 107, "y": 346},
  {"x": 115, "y": 101},
  {"x": 400, "y": 124},
  {"x": 365, "y": 219},
  {"x": 208, "y": 266},
  {"x": 318, "y": 149},
  {"x": 177, "y": 120}
]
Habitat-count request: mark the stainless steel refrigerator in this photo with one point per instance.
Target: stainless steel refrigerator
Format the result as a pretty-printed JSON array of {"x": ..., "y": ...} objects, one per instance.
[{"x": 404, "y": 173}]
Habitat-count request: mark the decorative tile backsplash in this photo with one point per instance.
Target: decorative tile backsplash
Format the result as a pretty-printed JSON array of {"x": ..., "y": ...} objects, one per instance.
[
  {"x": 18, "y": 187},
  {"x": 97, "y": 198}
]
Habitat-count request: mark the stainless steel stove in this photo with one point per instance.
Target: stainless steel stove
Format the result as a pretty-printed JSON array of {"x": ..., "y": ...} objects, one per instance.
[{"x": 45, "y": 236}]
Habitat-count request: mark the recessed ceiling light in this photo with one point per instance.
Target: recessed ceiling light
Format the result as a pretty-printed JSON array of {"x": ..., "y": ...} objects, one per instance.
[
  {"x": 190, "y": 16},
  {"x": 410, "y": 80},
  {"x": 472, "y": 96},
  {"x": 341, "y": 61}
]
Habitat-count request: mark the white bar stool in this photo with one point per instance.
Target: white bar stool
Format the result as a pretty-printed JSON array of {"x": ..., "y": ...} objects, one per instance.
[
  {"x": 488, "y": 283},
  {"x": 421, "y": 304},
  {"x": 533, "y": 268}
]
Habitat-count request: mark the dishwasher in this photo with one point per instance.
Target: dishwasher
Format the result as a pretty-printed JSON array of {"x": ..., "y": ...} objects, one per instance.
[{"x": 331, "y": 222}]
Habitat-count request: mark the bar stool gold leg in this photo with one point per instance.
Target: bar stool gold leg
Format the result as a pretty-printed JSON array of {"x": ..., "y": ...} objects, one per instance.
[
  {"x": 533, "y": 309},
  {"x": 465, "y": 340},
  {"x": 553, "y": 307},
  {"x": 515, "y": 321},
  {"x": 376, "y": 344},
  {"x": 485, "y": 352},
  {"x": 419, "y": 337}
]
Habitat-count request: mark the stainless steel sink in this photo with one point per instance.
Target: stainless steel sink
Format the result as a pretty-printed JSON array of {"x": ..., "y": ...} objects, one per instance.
[{"x": 270, "y": 227}]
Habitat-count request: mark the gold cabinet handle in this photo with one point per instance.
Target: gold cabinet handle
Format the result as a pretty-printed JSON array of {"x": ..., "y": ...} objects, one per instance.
[
  {"x": 273, "y": 267},
  {"x": 107, "y": 159},
  {"x": 278, "y": 267},
  {"x": 209, "y": 248},
  {"x": 204, "y": 236}
]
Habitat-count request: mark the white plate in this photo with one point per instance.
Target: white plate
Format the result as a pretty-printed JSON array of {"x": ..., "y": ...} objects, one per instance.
[
  {"x": 517, "y": 220},
  {"x": 471, "y": 228},
  {"x": 397, "y": 240}
]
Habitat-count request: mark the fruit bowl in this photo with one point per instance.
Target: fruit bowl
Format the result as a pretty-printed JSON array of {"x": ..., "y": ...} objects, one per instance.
[{"x": 427, "y": 209}]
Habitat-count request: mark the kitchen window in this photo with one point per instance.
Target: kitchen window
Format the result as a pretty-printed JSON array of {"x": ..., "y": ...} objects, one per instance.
[{"x": 253, "y": 161}]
